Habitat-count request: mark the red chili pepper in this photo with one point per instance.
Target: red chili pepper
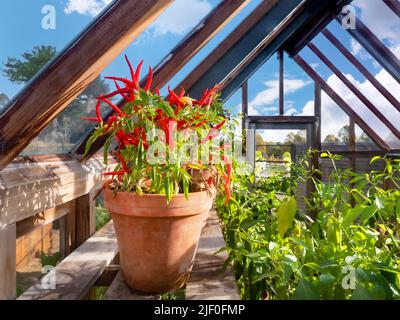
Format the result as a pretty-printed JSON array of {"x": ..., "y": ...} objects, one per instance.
[
  {"x": 123, "y": 163},
  {"x": 127, "y": 82},
  {"x": 114, "y": 93},
  {"x": 114, "y": 107},
  {"x": 131, "y": 69},
  {"x": 174, "y": 99},
  {"x": 228, "y": 177},
  {"x": 158, "y": 92},
  {"x": 114, "y": 173},
  {"x": 149, "y": 80},
  {"x": 111, "y": 121},
  {"x": 137, "y": 74},
  {"x": 126, "y": 97},
  {"x": 182, "y": 93},
  {"x": 98, "y": 113},
  {"x": 212, "y": 133}
]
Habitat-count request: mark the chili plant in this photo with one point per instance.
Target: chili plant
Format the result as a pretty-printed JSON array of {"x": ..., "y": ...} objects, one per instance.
[
  {"x": 164, "y": 145},
  {"x": 350, "y": 250}
]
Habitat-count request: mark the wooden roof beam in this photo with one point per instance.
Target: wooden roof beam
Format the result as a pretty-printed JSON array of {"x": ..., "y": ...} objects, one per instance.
[
  {"x": 179, "y": 56},
  {"x": 72, "y": 71},
  {"x": 378, "y": 113},
  {"x": 341, "y": 103}
]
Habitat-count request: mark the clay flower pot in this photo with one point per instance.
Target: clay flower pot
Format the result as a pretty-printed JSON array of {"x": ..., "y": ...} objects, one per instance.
[{"x": 157, "y": 242}]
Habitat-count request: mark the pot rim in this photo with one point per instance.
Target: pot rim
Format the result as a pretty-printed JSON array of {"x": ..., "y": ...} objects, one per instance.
[{"x": 159, "y": 195}]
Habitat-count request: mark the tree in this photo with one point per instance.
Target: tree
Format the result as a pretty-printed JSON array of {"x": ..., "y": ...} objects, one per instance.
[
  {"x": 67, "y": 126},
  {"x": 3, "y": 100},
  {"x": 295, "y": 138},
  {"x": 364, "y": 138},
  {"x": 344, "y": 134},
  {"x": 259, "y": 140},
  {"x": 22, "y": 70},
  {"x": 331, "y": 138}
]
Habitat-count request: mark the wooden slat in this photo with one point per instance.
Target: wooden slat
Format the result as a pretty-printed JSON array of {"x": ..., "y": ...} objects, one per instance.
[
  {"x": 72, "y": 71},
  {"x": 108, "y": 276},
  {"x": 209, "y": 280},
  {"x": 85, "y": 218},
  {"x": 179, "y": 56},
  {"x": 228, "y": 43},
  {"x": 343, "y": 104},
  {"x": 77, "y": 273},
  {"x": 41, "y": 219},
  {"x": 394, "y": 5},
  {"x": 118, "y": 290},
  {"x": 28, "y": 188},
  {"x": 8, "y": 262}
]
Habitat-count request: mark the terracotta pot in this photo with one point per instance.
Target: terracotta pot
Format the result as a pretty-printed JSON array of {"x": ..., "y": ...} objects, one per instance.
[{"x": 157, "y": 242}]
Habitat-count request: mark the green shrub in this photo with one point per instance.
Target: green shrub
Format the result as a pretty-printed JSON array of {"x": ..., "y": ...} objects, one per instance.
[{"x": 345, "y": 252}]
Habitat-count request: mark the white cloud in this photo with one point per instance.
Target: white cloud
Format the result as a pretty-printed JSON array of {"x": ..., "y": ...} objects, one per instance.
[
  {"x": 333, "y": 118},
  {"x": 180, "y": 17},
  {"x": 177, "y": 19},
  {"x": 382, "y": 22},
  {"x": 86, "y": 7},
  {"x": 265, "y": 101}
]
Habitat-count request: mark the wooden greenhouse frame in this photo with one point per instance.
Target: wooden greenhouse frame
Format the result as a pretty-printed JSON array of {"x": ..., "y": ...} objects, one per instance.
[{"x": 37, "y": 190}]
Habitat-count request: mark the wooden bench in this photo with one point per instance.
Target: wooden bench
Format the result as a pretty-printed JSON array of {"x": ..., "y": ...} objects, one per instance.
[{"x": 88, "y": 264}]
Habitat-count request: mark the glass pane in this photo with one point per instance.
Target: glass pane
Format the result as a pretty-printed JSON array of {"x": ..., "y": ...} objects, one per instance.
[
  {"x": 152, "y": 45},
  {"x": 36, "y": 32},
  {"x": 334, "y": 126},
  {"x": 275, "y": 148},
  {"x": 363, "y": 85},
  {"x": 381, "y": 20},
  {"x": 214, "y": 42}
]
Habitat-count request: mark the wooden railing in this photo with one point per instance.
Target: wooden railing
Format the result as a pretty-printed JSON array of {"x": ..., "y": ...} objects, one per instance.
[{"x": 34, "y": 192}]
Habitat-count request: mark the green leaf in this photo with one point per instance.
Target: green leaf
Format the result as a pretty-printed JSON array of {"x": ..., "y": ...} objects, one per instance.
[
  {"x": 286, "y": 214},
  {"x": 368, "y": 213},
  {"x": 167, "y": 187},
  {"x": 306, "y": 291},
  {"x": 106, "y": 148},
  {"x": 89, "y": 143},
  {"x": 374, "y": 159},
  {"x": 352, "y": 215},
  {"x": 326, "y": 279},
  {"x": 185, "y": 184}
]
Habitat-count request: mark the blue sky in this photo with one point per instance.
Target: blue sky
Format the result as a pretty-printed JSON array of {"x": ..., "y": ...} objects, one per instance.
[{"x": 21, "y": 30}]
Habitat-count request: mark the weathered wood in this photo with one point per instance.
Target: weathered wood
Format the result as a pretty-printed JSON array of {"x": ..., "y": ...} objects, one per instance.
[
  {"x": 77, "y": 273},
  {"x": 31, "y": 245},
  {"x": 118, "y": 290},
  {"x": 85, "y": 216},
  {"x": 72, "y": 71},
  {"x": 178, "y": 57},
  {"x": 42, "y": 183},
  {"x": 8, "y": 282},
  {"x": 108, "y": 276},
  {"x": 228, "y": 43},
  {"x": 41, "y": 219},
  {"x": 209, "y": 280}
]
